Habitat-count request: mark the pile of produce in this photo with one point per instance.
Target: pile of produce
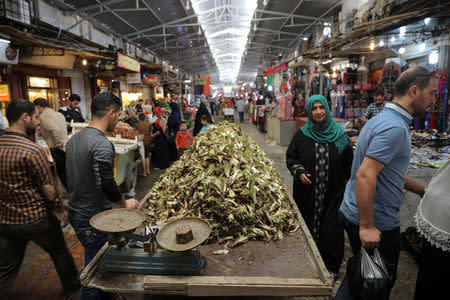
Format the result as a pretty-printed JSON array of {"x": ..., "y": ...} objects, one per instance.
[
  {"x": 124, "y": 130},
  {"x": 225, "y": 178}
]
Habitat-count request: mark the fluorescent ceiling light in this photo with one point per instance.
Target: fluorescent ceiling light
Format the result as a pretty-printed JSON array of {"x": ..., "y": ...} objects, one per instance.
[
  {"x": 227, "y": 41},
  {"x": 4, "y": 41}
]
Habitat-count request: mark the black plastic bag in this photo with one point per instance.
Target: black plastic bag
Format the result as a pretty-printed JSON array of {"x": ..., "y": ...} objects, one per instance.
[{"x": 368, "y": 276}]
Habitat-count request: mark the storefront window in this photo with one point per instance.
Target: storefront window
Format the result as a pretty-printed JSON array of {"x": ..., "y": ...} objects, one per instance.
[{"x": 43, "y": 87}]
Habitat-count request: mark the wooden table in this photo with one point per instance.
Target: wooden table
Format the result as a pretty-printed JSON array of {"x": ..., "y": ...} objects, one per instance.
[{"x": 290, "y": 267}]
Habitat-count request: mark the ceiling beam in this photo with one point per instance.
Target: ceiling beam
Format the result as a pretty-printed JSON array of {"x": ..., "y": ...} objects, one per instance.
[
  {"x": 287, "y": 15},
  {"x": 97, "y": 5}
]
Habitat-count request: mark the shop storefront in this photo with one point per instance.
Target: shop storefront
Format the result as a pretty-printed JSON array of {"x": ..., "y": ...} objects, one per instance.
[{"x": 30, "y": 82}]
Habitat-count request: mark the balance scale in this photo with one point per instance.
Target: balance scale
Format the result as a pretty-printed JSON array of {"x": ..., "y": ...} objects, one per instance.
[{"x": 165, "y": 249}]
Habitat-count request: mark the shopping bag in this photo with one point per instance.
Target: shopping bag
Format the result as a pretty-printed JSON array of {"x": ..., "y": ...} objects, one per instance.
[{"x": 368, "y": 276}]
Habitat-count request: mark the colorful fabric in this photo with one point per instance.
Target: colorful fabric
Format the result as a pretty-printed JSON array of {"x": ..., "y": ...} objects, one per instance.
[
  {"x": 326, "y": 132},
  {"x": 24, "y": 171}
]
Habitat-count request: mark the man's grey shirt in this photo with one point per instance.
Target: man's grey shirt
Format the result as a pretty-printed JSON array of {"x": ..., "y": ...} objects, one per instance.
[{"x": 90, "y": 172}]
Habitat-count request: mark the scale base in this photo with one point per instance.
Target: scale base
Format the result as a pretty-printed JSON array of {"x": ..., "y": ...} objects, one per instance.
[{"x": 161, "y": 262}]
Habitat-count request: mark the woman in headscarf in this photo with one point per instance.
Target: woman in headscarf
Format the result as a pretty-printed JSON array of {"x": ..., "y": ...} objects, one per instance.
[
  {"x": 174, "y": 118},
  {"x": 202, "y": 110},
  {"x": 160, "y": 150},
  {"x": 319, "y": 158}
]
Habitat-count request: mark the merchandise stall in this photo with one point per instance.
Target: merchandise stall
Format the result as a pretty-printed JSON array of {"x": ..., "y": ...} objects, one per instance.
[{"x": 280, "y": 122}]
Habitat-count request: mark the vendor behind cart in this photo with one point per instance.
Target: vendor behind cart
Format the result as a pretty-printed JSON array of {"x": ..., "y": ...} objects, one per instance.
[{"x": 92, "y": 188}]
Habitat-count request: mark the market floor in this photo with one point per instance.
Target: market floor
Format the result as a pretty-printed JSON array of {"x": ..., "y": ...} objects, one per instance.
[{"x": 37, "y": 278}]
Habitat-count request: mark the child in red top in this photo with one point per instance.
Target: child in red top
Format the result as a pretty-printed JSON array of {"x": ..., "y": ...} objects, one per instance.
[{"x": 182, "y": 138}]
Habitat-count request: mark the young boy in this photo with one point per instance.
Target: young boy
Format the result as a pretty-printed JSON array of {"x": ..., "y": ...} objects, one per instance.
[
  {"x": 182, "y": 139},
  {"x": 204, "y": 119}
]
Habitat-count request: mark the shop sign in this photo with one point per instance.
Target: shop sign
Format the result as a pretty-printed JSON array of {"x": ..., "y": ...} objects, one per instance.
[
  {"x": 200, "y": 80},
  {"x": 8, "y": 55},
  {"x": 228, "y": 84},
  {"x": 128, "y": 63},
  {"x": 5, "y": 96},
  {"x": 150, "y": 79},
  {"x": 134, "y": 78},
  {"x": 40, "y": 82},
  {"x": 103, "y": 89},
  {"x": 357, "y": 87}
]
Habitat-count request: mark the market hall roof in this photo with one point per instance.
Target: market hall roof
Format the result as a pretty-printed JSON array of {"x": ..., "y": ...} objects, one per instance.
[{"x": 207, "y": 36}]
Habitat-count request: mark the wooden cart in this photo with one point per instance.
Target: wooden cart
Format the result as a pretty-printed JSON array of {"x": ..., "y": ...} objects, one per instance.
[{"x": 290, "y": 267}]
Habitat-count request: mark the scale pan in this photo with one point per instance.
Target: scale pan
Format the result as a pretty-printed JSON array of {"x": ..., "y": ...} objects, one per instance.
[{"x": 117, "y": 220}]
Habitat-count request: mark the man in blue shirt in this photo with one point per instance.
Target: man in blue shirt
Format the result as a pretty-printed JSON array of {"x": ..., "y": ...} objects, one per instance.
[{"x": 374, "y": 193}]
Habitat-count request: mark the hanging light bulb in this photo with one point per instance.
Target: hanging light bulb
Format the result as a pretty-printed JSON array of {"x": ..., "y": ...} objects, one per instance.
[
  {"x": 305, "y": 38},
  {"x": 402, "y": 31},
  {"x": 84, "y": 62},
  {"x": 434, "y": 57},
  {"x": 372, "y": 45},
  {"x": 422, "y": 47},
  {"x": 392, "y": 39},
  {"x": 426, "y": 21},
  {"x": 401, "y": 50},
  {"x": 381, "y": 43}
]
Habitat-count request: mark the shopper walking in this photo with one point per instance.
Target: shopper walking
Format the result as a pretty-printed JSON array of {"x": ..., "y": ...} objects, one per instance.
[
  {"x": 29, "y": 205},
  {"x": 52, "y": 126},
  {"x": 144, "y": 129},
  {"x": 375, "y": 191},
  {"x": 72, "y": 112},
  {"x": 92, "y": 188},
  {"x": 217, "y": 105},
  {"x": 240, "y": 104},
  {"x": 147, "y": 110},
  {"x": 174, "y": 119},
  {"x": 433, "y": 222},
  {"x": 319, "y": 158},
  {"x": 202, "y": 110},
  {"x": 160, "y": 150}
]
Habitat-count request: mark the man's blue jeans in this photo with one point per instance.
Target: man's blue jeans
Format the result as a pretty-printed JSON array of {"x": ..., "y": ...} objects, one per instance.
[
  {"x": 241, "y": 116},
  {"x": 92, "y": 242}
]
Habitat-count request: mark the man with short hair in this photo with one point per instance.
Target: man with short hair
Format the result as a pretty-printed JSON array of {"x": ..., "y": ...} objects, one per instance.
[
  {"x": 53, "y": 130},
  {"x": 375, "y": 191},
  {"x": 240, "y": 104},
  {"x": 375, "y": 107},
  {"x": 90, "y": 163},
  {"x": 29, "y": 202},
  {"x": 72, "y": 112}
]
